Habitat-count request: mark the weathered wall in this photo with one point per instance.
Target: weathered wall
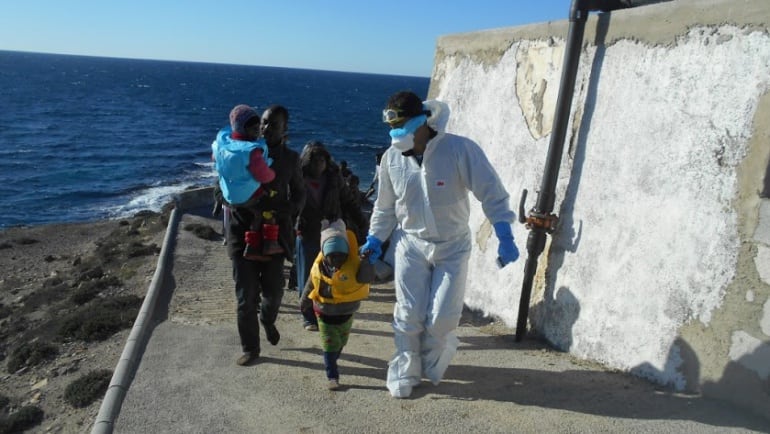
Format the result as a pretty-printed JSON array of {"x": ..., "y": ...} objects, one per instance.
[{"x": 661, "y": 262}]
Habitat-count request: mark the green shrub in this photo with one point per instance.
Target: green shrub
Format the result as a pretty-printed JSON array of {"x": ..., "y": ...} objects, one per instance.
[
  {"x": 101, "y": 319},
  {"x": 24, "y": 419},
  {"x": 48, "y": 293},
  {"x": 84, "y": 294},
  {"x": 138, "y": 249},
  {"x": 89, "y": 289},
  {"x": 31, "y": 354},
  {"x": 202, "y": 231},
  {"x": 88, "y": 388}
]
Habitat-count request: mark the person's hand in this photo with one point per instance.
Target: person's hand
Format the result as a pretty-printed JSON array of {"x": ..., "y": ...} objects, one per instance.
[
  {"x": 371, "y": 250},
  {"x": 506, "y": 250}
]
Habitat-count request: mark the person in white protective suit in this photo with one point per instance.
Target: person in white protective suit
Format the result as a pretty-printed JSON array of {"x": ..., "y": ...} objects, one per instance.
[{"x": 423, "y": 207}]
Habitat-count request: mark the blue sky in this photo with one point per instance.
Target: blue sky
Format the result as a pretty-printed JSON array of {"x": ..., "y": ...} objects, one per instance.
[{"x": 388, "y": 37}]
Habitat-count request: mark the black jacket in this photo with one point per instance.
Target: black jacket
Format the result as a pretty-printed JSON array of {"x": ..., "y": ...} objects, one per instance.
[
  {"x": 286, "y": 203},
  {"x": 328, "y": 208}
]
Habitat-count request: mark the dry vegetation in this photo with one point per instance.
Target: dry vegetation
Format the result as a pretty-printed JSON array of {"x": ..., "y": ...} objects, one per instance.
[{"x": 68, "y": 296}]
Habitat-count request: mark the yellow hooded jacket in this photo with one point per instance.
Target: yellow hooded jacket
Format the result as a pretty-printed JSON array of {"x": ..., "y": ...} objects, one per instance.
[{"x": 344, "y": 286}]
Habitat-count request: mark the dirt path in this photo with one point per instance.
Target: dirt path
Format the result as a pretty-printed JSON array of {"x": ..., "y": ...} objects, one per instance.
[{"x": 188, "y": 382}]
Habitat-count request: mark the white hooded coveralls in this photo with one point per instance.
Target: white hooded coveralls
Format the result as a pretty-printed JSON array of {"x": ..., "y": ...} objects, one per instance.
[{"x": 424, "y": 209}]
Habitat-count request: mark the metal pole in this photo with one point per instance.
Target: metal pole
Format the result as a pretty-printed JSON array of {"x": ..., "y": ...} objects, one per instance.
[{"x": 541, "y": 220}]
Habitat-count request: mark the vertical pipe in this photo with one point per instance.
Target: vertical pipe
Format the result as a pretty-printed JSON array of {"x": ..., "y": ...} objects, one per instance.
[
  {"x": 547, "y": 193},
  {"x": 546, "y": 197}
]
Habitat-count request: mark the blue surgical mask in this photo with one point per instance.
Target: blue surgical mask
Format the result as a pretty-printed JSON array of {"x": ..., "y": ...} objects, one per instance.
[{"x": 403, "y": 138}]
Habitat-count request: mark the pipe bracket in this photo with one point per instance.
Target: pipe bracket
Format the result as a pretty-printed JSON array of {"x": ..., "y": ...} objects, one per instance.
[{"x": 539, "y": 221}]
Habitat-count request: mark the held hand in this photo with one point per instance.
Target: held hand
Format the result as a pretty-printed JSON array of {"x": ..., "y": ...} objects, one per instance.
[
  {"x": 371, "y": 250},
  {"x": 506, "y": 251}
]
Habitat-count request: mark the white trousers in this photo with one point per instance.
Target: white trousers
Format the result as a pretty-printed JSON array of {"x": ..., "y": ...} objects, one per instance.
[{"x": 429, "y": 280}]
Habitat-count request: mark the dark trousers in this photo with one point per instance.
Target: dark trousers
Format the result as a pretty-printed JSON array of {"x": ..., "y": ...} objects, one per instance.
[
  {"x": 330, "y": 363},
  {"x": 259, "y": 291}
]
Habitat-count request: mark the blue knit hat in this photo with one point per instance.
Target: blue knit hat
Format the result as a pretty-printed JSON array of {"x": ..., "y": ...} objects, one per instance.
[
  {"x": 335, "y": 245},
  {"x": 333, "y": 237}
]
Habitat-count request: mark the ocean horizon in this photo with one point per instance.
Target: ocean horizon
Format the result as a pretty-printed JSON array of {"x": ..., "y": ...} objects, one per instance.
[{"x": 86, "y": 138}]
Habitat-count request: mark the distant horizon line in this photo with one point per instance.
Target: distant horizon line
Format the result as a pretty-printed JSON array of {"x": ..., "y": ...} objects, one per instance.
[{"x": 206, "y": 62}]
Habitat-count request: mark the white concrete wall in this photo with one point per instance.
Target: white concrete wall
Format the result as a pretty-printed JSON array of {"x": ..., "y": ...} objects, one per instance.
[{"x": 661, "y": 262}]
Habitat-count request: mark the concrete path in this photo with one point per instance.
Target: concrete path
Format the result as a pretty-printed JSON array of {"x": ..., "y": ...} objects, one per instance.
[{"x": 188, "y": 382}]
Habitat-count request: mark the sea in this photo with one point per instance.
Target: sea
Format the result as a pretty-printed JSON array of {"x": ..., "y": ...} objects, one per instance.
[{"x": 90, "y": 138}]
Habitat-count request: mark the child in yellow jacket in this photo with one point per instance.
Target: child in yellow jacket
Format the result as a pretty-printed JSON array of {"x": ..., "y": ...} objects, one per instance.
[{"x": 339, "y": 280}]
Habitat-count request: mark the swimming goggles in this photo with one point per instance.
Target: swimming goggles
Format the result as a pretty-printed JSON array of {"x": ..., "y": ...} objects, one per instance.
[{"x": 393, "y": 116}]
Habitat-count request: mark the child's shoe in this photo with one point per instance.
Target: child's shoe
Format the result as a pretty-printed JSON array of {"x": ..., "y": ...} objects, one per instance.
[
  {"x": 247, "y": 358},
  {"x": 334, "y": 384}
]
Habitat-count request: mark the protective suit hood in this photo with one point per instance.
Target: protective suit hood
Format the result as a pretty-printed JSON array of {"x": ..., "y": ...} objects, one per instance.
[{"x": 439, "y": 114}]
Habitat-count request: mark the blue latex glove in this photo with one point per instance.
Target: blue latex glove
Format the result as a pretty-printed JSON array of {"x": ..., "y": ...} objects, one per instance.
[
  {"x": 506, "y": 251},
  {"x": 372, "y": 249}
]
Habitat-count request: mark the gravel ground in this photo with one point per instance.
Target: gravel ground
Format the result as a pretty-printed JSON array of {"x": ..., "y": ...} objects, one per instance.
[{"x": 188, "y": 380}]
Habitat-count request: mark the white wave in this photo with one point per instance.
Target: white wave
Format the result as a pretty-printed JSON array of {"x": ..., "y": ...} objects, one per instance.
[
  {"x": 152, "y": 199},
  {"x": 201, "y": 173}
]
